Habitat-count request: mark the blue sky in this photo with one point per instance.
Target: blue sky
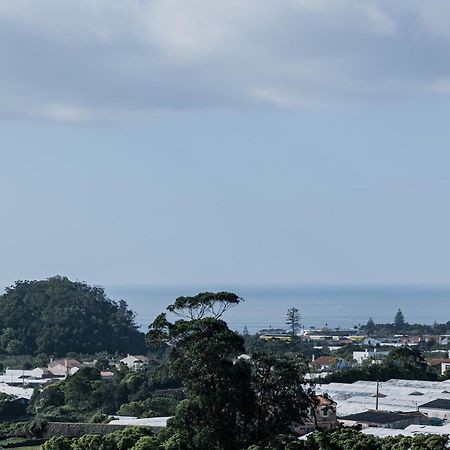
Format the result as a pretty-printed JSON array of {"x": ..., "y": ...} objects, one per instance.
[{"x": 269, "y": 142}]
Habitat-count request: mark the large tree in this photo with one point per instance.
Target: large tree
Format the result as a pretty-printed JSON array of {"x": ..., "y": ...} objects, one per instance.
[
  {"x": 230, "y": 402},
  {"x": 293, "y": 321},
  {"x": 57, "y": 316},
  {"x": 399, "y": 321}
]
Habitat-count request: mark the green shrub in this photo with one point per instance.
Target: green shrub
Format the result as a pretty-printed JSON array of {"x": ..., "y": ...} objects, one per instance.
[{"x": 57, "y": 443}]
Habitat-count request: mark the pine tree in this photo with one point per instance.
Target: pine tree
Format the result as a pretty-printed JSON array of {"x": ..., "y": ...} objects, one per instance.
[
  {"x": 293, "y": 321},
  {"x": 370, "y": 327},
  {"x": 399, "y": 321}
]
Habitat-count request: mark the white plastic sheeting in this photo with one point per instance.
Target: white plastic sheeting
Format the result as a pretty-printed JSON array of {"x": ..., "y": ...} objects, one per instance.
[
  {"x": 395, "y": 395},
  {"x": 16, "y": 391}
]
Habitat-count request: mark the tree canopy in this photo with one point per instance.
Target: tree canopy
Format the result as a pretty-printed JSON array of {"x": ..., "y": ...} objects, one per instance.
[
  {"x": 229, "y": 402},
  {"x": 57, "y": 316}
]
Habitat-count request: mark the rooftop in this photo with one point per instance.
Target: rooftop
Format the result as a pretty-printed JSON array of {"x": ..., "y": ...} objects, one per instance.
[
  {"x": 381, "y": 417},
  {"x": 439, "y": 403}
]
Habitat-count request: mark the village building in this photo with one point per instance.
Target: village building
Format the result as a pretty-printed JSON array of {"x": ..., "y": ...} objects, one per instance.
[
  {"x": 321, "y": 417},
  {"x": 135, "y": 361},
  {"x": 375, "y": 355},
  {"x": 439, "y": 408},
  {"x": 328, "y": 363},
  {"x": 64, "y": 367}
]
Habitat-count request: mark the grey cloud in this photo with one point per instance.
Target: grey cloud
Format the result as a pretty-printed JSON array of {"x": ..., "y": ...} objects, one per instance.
[{"x": 83, "y": 60}]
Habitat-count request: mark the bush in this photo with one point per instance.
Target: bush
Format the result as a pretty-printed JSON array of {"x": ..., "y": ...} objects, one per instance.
[
  {"x": 88, "y": 442},
  {"x": 99, "y": 418},
  {"x": 147, "y": 443},
  {"x": 57, "y": 443}
]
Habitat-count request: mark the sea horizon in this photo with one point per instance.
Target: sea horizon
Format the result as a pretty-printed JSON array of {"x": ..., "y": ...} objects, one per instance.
[{"x": 265, "y": 306}]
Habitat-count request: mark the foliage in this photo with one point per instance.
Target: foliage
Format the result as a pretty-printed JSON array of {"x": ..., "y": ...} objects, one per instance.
[
  {"x": 293, "y": 321},
  {"x": 280, "y": 399},
  {"x": 13, "y": 428},
  {"x": 125, "y": 439},
  {"x": 159, "y": 404},
  {"x": 349, "y": 439},
  {"x": 11, "y": 407},
  {"x": 253, "y": 344},
  {"x": 147, "y": 443},
  {"x": 385, "y": 329},
  {"x": 149, "y": 390},
  {"x": 401, "y": 363},
  {"x": 203, "y": 304},
  {"x": 399, "y": 321},
  {"x": 57, "y": 443},
  {"x": 343, "y": 439},
  {"x": 57, "y": 316},
  {"x": 370, "y": 327},
  {"x": 228, "y": 402}
]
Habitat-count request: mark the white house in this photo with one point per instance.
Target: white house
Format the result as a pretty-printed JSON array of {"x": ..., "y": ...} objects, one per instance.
[
  {"x": 359, "y": 357},
  {"x": 437, "y": 408},
  {"x": 37, "y": 373},
  {"x": 371, "y": 341},
  {"x": 135, "y": 361},
  {"x": 444, "y": 367}
]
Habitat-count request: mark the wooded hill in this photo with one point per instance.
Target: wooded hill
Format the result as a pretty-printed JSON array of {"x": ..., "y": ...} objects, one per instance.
[{"x": 57, "y": 316}]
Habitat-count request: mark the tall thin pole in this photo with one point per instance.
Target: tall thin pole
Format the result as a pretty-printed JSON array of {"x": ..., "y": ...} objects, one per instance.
[{"x": 378, "y": 393}]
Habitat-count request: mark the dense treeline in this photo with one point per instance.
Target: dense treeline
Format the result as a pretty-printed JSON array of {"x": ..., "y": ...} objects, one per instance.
[
  {"x": 85, "y": 396},
  {"x": 401, "y": 363},
  {"x": 349, "y": 439},
  {"x": 57, "y": 316},
  {"x": 401, "y": 326},
  {"x": 344, "y": 439}
]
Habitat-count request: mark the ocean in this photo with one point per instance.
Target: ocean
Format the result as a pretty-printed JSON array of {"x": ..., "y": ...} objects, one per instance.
[{"x": 265, "y": 307}]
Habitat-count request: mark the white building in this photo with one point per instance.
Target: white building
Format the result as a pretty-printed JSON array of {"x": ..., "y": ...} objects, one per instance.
[
  {"x": 65, "y": 367},
  {"x": 18, "y": 392},
  {"x": 135, "y": 361},
  {"x": 439, "y": 408},
  {"x": 371, "y": 341},
  {"x": 359, "y": 357}
]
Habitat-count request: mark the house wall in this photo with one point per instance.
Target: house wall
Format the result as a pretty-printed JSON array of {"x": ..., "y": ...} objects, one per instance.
[{"x": 440, "y": 413}]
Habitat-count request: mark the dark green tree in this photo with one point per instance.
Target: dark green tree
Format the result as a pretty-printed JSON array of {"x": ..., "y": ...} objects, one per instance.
[
  {"x": 370, "y": 327},
  {"x": 230, "y": 403},
  {"x": 399, "y": 321},
  {"x": 204, "y": 304},
  {"x": 216, "y": 412},
  {"x": 293, "y": 321},
  {"x": 281, "y": 400},
  {"x": 57, "y": 443}
]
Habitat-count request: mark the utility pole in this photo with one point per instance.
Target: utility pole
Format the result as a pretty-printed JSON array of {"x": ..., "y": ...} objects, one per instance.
[{"x": 378, "y": 393}]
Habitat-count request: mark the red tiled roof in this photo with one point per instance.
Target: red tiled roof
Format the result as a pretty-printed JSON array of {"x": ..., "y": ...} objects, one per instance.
[
  {"x": 437, "y": 360},
  {"x": 324, "y": 360}
]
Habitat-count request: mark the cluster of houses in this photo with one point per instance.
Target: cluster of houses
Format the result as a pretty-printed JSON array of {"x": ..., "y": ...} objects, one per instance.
[
  {"x": 373, "y": 349},
  {"x": 338, "y": 337},
  {"x": 20, "y": 383},
  {"x": 324, "y": 365}
]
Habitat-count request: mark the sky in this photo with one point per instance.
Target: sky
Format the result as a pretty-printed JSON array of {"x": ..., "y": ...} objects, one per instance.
[{"x": 211, "y": 141}]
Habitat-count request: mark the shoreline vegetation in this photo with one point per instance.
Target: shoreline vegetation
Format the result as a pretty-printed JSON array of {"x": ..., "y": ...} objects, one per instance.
[{"x": 224, "y": 390}]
